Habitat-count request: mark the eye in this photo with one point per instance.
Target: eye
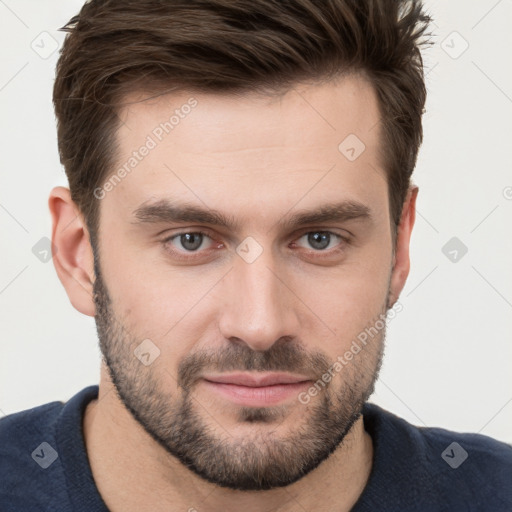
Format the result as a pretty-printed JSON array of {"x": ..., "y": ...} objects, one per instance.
[
  {"x": 188, "y": 244},
  {"x": 323, "y": 240},
  {"x": 189, "y": 241}
]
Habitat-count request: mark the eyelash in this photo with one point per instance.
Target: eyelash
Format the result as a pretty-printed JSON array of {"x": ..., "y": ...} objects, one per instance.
[{"x": 330, "y": 252}]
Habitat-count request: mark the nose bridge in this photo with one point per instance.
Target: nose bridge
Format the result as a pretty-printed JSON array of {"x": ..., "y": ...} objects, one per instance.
[{"x": 258, "y": 307}]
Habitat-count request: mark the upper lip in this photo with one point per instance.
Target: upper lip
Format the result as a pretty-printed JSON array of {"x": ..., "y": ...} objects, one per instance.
[{"x": 258, "y": 379}]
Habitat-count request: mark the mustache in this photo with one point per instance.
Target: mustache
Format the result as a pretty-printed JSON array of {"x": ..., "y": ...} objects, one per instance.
[{"x": 282, "y": 356}]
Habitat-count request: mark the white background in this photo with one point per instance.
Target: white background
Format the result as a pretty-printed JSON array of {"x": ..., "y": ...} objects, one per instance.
[{"x": 448, "y": 360}]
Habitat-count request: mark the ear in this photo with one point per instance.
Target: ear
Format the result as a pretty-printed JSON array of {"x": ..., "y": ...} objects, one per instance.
[
  {"x": 401, "y": 263},
  {"x": 73, "y": 258}
]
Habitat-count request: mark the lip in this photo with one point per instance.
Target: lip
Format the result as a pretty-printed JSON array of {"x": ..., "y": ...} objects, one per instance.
[
  {"x": 256, "y": 390},
  {"x": 259, "y": 379}
]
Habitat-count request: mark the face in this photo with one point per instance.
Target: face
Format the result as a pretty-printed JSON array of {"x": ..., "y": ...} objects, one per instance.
[{"x": 243, "y": 245}]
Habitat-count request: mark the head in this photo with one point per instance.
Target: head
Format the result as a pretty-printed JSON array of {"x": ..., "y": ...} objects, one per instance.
[{"x": 240, "y": 201}]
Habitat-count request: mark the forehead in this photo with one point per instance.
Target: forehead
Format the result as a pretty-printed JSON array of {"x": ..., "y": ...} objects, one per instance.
[{"x": 251, "y": 153}]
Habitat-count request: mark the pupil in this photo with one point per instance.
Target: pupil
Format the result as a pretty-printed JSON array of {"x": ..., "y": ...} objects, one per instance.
[
  {"x": 319, "y": 239},
  {"x": 191, "y": 241}
]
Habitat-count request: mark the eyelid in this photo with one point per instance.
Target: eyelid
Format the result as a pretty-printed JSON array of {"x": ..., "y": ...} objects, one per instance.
[
  {"x": 200, "y": 231},
  {"x": 304, "y": 231},
  {"x": 344, "y": 239},
  {"x": 296, "y": 235}
]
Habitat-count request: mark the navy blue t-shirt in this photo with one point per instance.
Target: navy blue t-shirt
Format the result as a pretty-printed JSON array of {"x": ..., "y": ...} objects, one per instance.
[{"x": 44, "y": 464}]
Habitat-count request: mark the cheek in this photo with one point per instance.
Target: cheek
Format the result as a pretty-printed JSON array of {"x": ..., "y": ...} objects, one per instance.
[
  {"x": 154, "y": 302},
  {"x": 141, "y": 300},
  {"x": 344, "y": 301}
]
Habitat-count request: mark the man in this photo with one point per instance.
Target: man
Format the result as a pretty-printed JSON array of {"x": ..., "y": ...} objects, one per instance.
[{"x": 238, "y": 223}]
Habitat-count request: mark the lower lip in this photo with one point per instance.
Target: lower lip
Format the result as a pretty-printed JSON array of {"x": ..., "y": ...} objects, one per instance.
[{"x": 257, "y": 396}]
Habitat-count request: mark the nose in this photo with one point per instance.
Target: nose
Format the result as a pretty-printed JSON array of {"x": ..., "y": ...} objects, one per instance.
[{"x": 259, "y": 305}]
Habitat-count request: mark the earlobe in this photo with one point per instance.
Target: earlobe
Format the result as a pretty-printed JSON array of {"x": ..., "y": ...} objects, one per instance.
[
  {"x": 73, "y": 257},
  {"x": 401, "y": 262}
]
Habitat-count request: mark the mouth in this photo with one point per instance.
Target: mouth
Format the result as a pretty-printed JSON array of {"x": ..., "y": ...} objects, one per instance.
[{"x": 256, "y": 389}]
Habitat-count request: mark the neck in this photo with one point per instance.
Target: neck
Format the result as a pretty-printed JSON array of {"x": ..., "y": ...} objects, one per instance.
[{"x": 126, "y": 463}]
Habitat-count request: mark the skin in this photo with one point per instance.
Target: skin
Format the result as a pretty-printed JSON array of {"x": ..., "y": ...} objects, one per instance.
[{"x": 258, "y": 159}]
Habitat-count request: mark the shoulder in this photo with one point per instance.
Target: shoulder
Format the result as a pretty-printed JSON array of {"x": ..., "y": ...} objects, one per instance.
[
  {"x": 473, "y": 462},
  {"x": 438, "y": 466},
  {"x": 19, "y": 431},
  {"x": 456, "y": 447},
  {"x": 33, "y": 446},
  {"x": 27, "y": 446},
  {"x": 27, "y": 449},
  {"x": 459, "y": 446},
  {"x": 470, "y": 468}
]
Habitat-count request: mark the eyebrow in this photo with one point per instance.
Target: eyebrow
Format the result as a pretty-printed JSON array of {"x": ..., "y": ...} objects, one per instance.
[{"x": 166, "y": 211}]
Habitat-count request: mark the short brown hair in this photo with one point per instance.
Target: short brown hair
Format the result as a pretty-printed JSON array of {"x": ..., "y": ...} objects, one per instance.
[{"x": 115, "y": 47}]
